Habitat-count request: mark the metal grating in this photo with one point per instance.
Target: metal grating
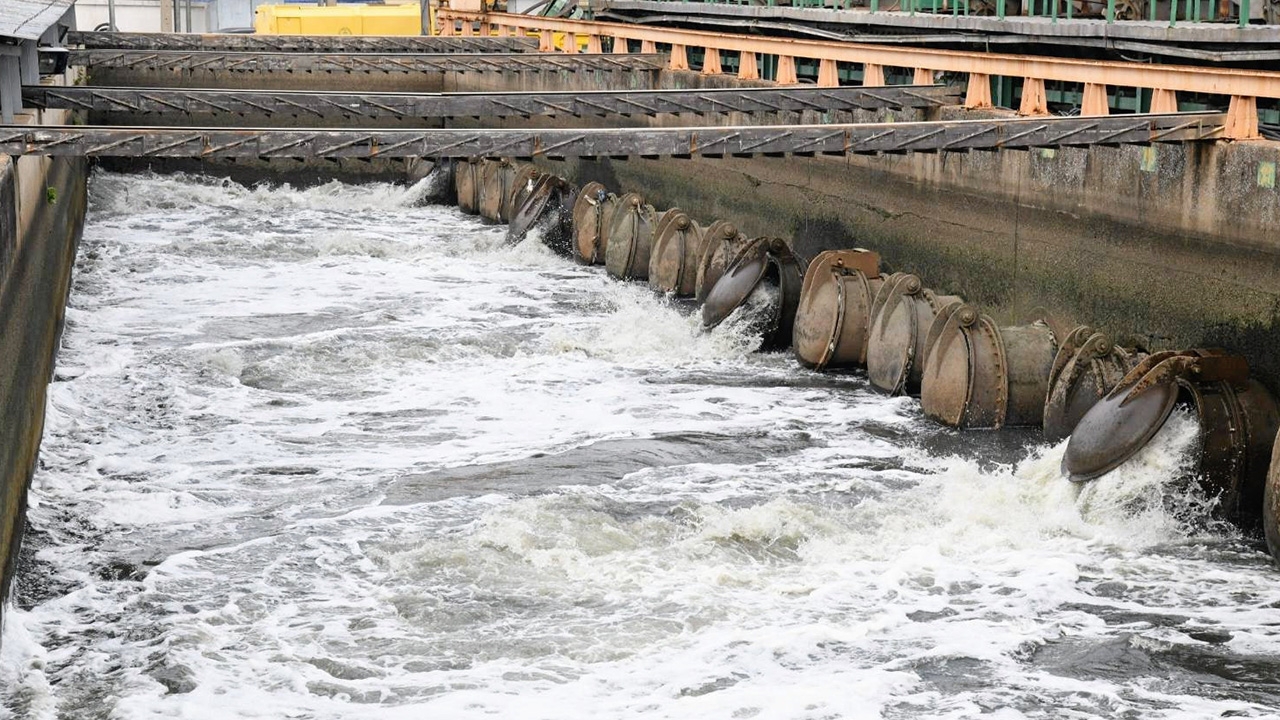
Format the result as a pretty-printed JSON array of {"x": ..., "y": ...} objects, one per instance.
[
  {"x": 741, "y": 141},
  {"x": 268, "y": 103}
]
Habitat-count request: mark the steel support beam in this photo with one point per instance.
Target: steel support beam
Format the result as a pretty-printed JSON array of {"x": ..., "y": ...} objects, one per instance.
[
  {"x": 862, "y": 138},
  {"x": 1180, "y": 78},
  {"x": 207, "y": 60},
  {"x": 164, "y": 102},
  {"x": 301, "y": 43}
]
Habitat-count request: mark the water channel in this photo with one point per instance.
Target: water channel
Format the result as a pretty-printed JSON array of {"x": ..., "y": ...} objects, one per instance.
[{"x": 334, "y": 453}]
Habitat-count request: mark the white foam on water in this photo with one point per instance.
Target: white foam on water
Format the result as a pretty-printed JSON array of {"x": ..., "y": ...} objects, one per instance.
[{"x": 248, "y": 372}]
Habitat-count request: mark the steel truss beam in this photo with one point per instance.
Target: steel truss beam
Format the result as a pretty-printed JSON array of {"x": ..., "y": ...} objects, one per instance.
[
  {"x": 356, "y": 62},
  {"x": 509, "y": 104},
  {"x": 863, "y": 138},
  {"x": 301, "y": 43}
]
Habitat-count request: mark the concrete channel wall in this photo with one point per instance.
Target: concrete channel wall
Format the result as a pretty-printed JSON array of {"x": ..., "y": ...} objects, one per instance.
[
  {"x": 42, "y": 207},
  {"x": 1165, "y": 247}
]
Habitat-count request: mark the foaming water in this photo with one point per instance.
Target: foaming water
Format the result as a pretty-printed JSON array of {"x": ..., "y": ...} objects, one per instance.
[{"x": 328, "y": 453}]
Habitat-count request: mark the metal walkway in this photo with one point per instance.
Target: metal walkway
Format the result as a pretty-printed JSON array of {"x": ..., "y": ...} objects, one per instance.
[
  {"x": 385, "y": 44},
  {"x": 165, "y": 102},
  {"x": 1244, "y": 87},
  {"x": 869, "y": 138},
  {"x": 208, "y": 60}
]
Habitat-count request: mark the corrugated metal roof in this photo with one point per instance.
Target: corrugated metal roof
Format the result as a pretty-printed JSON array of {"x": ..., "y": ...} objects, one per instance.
[{"x": 28, "y": 19}]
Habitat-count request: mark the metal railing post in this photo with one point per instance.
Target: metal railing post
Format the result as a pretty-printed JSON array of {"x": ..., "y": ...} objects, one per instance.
[
  {"x": 1244, "y": 12},
  {"x": 1111, "y": 12}
]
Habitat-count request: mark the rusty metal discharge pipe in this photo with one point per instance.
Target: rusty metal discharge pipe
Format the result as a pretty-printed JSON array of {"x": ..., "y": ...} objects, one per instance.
[
  {"x": 677, "y": 246},
  {"x": 630, "y": 238},
  {"x": 522, "y": 183},
  {"x": 721, "y": 242},
  {"x": 834, "y": 313},
  {"x": 547, "y": 207},
  {"x": 1088, "y": 365},
  {"x": 763, "y": 261},
  {"x": 466, "y": 183},
  {"x": 978, "y": 375},
  {"x": 901, "y": 316},
  {"x": 497, "y": 178},
  {"x": 1238, "y": 420},
  {"x": 592, "y": 214}
]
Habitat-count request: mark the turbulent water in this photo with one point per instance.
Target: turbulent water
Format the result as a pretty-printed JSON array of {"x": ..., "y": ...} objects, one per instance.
[{"x": 328, "y": 453}]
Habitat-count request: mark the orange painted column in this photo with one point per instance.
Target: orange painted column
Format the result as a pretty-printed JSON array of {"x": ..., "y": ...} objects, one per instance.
[
  {"x": 711, "y": 61},
  {"x": 679, "y": 58},
  {"x": 872, "y": 74},
  {"x": 978, "y": 94},
  {"x": 787, "y": 70},
  {"x": 1242, "y": 118},
  {"x": 1034, "y": 101},
  {"x": 828, "y": 73},
  {"x": 1095, "y": 101},
  {"x": 1164, "y": 101}
]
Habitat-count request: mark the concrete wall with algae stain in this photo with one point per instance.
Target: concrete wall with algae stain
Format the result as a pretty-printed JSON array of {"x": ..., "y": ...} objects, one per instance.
[{"x": 42, "y": 207}]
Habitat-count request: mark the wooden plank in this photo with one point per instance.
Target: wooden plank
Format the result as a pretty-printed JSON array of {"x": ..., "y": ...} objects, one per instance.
[
  {"x": 209, "y": 60},
  {"x": 166, "y": 102},
  {"x": 385, "y": 44},
  {"x": 836, "y": 139}
]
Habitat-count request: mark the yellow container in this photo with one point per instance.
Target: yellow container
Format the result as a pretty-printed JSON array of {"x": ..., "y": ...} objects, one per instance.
[{"x": 338, "y": 20}]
